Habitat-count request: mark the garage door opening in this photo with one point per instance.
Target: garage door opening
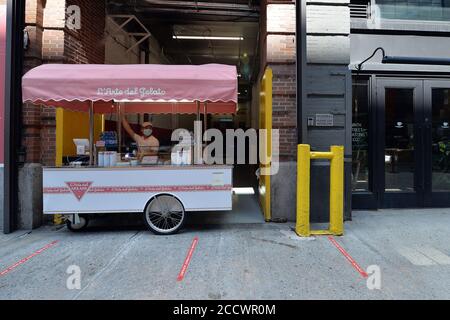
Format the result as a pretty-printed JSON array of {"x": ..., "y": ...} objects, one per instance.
[
  {"x": 176, "y": 33},
  {"x": 200, "y": 32}
]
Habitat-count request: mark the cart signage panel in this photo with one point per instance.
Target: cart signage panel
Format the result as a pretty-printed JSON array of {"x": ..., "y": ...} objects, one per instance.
[
  {"x": 203, "y": 188},
  {"x": 79, "y": 189}
]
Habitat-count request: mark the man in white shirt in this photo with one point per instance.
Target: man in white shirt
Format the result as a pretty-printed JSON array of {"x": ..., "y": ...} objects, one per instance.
[{"x": 148, "y": 145}]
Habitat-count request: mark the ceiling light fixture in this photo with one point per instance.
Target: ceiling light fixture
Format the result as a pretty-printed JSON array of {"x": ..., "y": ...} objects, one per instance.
[{"x": 177, "y": 37}]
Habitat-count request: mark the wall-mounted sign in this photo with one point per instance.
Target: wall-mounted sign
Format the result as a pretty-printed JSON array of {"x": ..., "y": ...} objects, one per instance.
[{"x": 324, "y": 120}]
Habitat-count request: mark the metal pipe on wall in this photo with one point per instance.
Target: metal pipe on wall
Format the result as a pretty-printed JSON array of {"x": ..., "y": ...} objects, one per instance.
[
  {"x": 198, "y": 110},
  {"x": 119, "y": 128},
  {"x": 205, "y": 116},
  {"x": 15, "y": 21},
  {"x": 300, "y": 34}
]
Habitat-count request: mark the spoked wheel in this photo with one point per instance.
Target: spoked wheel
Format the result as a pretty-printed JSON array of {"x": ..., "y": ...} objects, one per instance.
[
  {"x": 164, "y": 215},
  {"x": 75, "y": 227}
]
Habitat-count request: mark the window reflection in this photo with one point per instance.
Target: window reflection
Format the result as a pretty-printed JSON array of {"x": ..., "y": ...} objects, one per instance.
[
  {"x": 360, "y": 134},
  {"x": 431, "y": 10},
  {"x": 399, "y": 143},
  {"x": 441, "y": 139}
]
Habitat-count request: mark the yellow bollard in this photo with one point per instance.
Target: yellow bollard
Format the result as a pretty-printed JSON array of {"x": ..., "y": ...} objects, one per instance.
[
  {"x": 337, "y": 191},
  {"x": 302, "y": 227},
  {"x": 336, "y": 156}
]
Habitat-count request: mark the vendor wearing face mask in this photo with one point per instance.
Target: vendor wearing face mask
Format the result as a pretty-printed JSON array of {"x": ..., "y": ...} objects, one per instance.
[{"x": 148, "y": 145}]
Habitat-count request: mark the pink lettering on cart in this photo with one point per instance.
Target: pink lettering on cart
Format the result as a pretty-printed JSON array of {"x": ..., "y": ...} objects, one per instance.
[{"x": 79, "y": 189}]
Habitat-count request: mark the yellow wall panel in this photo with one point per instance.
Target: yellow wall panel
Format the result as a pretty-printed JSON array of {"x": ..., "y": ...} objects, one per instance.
[
  {"x": 71, "y": 125},
  {"x": 265, "y": 118}
]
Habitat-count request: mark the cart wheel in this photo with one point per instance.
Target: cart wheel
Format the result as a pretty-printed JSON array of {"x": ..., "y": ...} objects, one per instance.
[
  {"x": 75, "y": 227},
  {"x": 164, "y": 215}
]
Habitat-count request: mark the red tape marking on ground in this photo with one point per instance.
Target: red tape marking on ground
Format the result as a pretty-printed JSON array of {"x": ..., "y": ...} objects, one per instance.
[
  {"x": 187, "y": 260},
  {"x": 18, "y": 263},
  {"x": 349, "y": 258}
]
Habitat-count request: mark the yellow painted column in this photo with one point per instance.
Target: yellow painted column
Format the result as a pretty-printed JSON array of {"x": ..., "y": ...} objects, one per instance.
[
  {"x": 302, "y": 227},
  {"x": 59, "y": 137},
  {"x": 337, "y": 191},
  {"x": 265, "y": 122},
  {"x": 57, "y": 218}
]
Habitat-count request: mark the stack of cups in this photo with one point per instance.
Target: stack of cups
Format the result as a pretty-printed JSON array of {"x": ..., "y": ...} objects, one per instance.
[
  {"x": 107, "y": 158},
  {"x": 101, "y": 159},
  {"x": 113, "y": 159}
]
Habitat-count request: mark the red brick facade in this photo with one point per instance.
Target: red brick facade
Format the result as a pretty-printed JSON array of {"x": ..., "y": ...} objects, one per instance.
[{"x": 52, "y": 42}]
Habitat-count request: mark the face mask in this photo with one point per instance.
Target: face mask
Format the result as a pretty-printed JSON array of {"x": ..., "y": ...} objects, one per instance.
[{"x": 148, "y": 132}]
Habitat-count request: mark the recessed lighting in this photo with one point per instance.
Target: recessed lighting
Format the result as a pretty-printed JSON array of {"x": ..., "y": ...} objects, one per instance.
[{"x": 207, "y": 38}]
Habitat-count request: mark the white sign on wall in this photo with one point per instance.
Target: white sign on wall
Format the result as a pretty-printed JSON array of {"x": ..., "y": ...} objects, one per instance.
[{"x": 324, "y": 120}]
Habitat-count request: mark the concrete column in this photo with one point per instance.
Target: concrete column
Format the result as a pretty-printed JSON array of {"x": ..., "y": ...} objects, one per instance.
[
  {"x": 328, "y": 90},
  {"x": 30, "y": 196}
]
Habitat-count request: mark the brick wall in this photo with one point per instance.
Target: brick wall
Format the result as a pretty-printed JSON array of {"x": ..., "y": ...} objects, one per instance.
[
  {"x": 52, "y": 42},
  {"x": 31, "y": 114},
  {"x": 279, "y": 17},
  {"x": 87, "y": 44},
  {"x": 328, "y": 27}
]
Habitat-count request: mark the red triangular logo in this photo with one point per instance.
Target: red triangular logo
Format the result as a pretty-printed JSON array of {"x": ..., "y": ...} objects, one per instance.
[{"x": 79, "y": 189}]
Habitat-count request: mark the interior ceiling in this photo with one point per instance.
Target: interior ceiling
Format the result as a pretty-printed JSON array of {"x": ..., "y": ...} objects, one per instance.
[{"x": 165, "y": 18}]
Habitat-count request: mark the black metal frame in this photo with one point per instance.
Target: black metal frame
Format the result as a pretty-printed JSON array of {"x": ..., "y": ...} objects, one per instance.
[
  {"x": 13, "y": 107},
  {"x": 376, "y": 197},
  {"x": 436, "y": 198},
  {"x": 368, "y": 200},
  {"x": 400, "y": 199}
]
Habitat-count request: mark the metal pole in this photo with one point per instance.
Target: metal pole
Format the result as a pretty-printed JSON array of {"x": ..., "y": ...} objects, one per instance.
[
  {"x": 91, "y": 134},
  {"x": 15, "y": 17},
  {"x": 302, "y": 128},
  {"x": 198, "y": 110},
  {"x": 198, "y": 139},
  {"x": 119, "y": 127},
  {"x": 205, "y": 116}
]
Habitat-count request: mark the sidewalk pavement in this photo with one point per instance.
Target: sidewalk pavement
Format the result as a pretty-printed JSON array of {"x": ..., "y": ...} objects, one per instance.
[{"x": 410, "y": 248}]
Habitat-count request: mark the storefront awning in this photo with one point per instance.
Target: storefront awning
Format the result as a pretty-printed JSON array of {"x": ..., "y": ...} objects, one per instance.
[{"x": 149, "y": 88}]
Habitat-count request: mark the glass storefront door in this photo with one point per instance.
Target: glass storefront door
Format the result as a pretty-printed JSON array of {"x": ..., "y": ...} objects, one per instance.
[
  {"x": 399, "y": 158},
  {"x": 401, "y": 143},
  {"x": 437, "y": 103}
]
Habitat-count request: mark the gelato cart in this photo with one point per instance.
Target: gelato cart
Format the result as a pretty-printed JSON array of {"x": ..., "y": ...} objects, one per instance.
[{"x": 162, "y": 193}]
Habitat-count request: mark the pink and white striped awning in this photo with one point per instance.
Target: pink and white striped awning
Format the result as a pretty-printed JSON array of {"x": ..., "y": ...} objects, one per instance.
[{"x": 149, "y": 88}]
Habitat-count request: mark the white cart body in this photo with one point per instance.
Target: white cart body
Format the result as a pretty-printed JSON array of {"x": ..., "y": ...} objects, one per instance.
[{"x": 116, "y": 190}]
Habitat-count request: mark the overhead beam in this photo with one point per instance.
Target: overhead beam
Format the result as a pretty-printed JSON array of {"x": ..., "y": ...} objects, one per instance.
[
  {"x": 201, "y": 12},
  {"x": 203, "y": 5},
  {"x": 253, "y": 16}
]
